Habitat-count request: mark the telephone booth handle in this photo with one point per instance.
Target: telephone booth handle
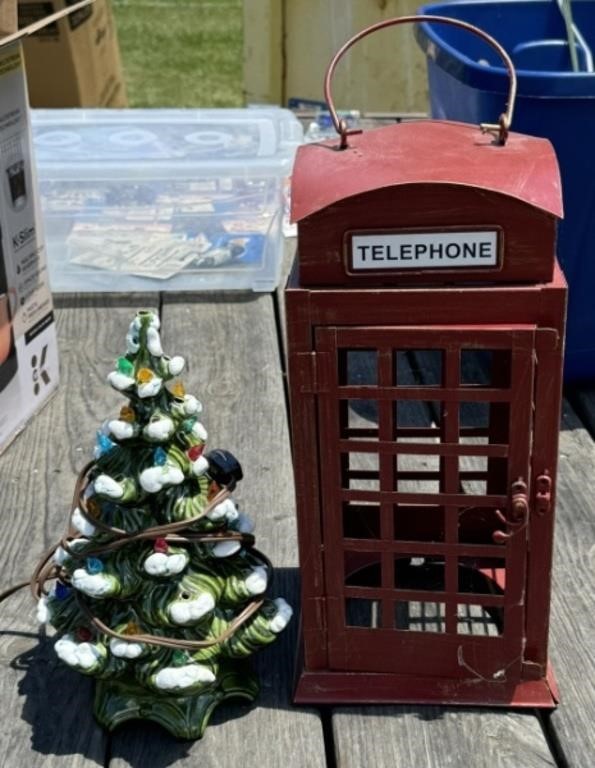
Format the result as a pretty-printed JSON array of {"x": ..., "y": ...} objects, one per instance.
[{"x": 500, "y": 130}]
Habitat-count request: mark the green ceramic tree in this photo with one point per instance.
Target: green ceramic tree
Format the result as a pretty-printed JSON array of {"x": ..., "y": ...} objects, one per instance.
[{"x": 159, "y": 590}]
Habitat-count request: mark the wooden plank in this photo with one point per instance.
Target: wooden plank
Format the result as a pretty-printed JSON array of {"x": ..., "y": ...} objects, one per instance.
[
  {"x": 46, "y": 708},
  {"x": 573, "y": 616},
  {"x": 263, "y": 52},
  {"x": 288, "y": 45},
  {"x": 583, "y": 400},
  {"x": 435, "y": 737},
  {"x": 230, "y": 343},
  {"x": 384, "y": 72}
]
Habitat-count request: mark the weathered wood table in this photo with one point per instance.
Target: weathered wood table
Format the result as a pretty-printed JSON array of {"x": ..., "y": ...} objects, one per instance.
[{"x": 234, "y": 345}]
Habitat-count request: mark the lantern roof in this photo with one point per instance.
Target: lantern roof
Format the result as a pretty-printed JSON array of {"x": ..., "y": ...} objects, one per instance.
[{"x": 426, "y": 152}]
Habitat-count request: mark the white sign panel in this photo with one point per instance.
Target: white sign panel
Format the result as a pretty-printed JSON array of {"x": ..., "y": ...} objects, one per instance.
[{"x": 424, "y": 250}]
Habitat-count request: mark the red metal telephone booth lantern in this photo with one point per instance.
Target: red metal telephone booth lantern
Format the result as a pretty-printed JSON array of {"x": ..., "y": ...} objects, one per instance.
[{"x": 425, "y": 319}]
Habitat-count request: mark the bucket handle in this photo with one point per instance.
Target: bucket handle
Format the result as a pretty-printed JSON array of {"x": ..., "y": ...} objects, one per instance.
[{"x": 500, "y": 129}]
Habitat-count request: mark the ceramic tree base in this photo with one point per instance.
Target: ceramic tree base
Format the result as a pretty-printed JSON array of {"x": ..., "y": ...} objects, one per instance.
[{"x": 185, "y": 717}]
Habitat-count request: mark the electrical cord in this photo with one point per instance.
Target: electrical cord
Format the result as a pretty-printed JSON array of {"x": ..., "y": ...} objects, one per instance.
[{"x": 179, "y": 532}]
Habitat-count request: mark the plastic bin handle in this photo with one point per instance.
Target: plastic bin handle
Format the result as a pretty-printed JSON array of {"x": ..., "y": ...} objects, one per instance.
[{"x": 500, "y": 129}]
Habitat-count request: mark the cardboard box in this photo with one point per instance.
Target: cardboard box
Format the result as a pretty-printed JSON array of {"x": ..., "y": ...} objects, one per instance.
[
  {"x": 8, "y": 17},
  {"x": 74, "y": 62},
  {"x": 28, "y": 346}
]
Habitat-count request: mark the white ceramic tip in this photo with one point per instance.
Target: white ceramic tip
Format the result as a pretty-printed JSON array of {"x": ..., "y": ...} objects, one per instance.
[{"x": 281, "y": 619}]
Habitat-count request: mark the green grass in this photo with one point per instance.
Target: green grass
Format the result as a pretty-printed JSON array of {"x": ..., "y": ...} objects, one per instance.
[{"x": 181, "y": 53}]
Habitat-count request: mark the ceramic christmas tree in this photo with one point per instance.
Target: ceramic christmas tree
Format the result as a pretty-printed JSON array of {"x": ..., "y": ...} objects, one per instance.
[{"x": 159, "y": 589}]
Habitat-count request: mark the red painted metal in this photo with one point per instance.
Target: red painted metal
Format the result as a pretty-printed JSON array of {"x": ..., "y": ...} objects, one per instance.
[
  {"x": 457, "y": 154},
  {"x": 425, "y": 408},
  {"x": 319, "y": 320},
  {"x": 369, "y": 688}
]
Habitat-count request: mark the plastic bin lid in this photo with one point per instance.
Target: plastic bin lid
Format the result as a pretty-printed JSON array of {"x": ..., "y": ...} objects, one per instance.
[
  {"x": 422, "y": 152},
  {"x": 67, "y": 138}
]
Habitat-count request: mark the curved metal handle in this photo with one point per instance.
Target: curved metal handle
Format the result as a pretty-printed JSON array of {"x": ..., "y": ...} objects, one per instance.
[{"x": 500, "y": 129}]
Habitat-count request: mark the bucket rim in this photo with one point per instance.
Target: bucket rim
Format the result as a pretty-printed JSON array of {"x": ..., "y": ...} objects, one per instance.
[{"x": 485, "y": 77}]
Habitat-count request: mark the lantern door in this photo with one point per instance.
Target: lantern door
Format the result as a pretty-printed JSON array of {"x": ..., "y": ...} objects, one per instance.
[{"x": 425, "y": 442}]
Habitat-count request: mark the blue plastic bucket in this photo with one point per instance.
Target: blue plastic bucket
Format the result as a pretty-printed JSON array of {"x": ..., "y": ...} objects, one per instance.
[{"x": 468, "y": 83}]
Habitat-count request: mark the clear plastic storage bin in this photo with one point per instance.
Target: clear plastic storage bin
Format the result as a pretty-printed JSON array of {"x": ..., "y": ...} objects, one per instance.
[{"x": 164, "y": 199}]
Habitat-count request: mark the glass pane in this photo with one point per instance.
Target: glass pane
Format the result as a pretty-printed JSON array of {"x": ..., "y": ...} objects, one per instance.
[
  {"x": 360, "y": 471},
  {"x": 415, "y": 616},
  {"x": 417, "y": 462},
  {"x": 418, "y": 368},
  {"x": 363, "y": 569},
  {"x": 485, "y": 420},
  {"x": 358, "y": 419},
  {"x": 485, "y": 368},
  {"x": 468, "y": 438},
  {"x": 362, "y": 613},
  {"x": 479, "y": 620},
  {"x": 358, "y": 367},
  {"x": 477, "y": 524},
  {"x": 485, "y": 577},
  {"x": 418, "y": 473},
  {"x": 418, "y": 413},
  {"x": 418, "y": 522},
  {"x": 473, "y": 474},
  {"x": 418, "y": 485},
  {"x": 361, "y": 521},
  {"x": 419, "y": 572},
  {"x": 475, "y": 415},
  {"x": 481, "y": 475},
  {"x": 499, "y": 423}
]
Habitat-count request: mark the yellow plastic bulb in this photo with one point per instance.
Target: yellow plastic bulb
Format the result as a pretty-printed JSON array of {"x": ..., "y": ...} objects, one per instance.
[
  {"x": 131, "y": 628},
  {"x": 177, "y": 389},
  {"x": 144, "y": 376},
  {"x": 93, "y": 509},
  {"x": 127, "y": 414}
]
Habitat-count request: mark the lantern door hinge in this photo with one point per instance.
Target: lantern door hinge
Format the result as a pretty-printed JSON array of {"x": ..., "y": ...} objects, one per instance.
[
  {"x": 543, "y": 494},
  {"x": 310, "y": 375}
]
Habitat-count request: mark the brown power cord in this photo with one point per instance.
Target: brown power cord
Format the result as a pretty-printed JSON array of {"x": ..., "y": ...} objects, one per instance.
[{"x": 174, "y": 533}]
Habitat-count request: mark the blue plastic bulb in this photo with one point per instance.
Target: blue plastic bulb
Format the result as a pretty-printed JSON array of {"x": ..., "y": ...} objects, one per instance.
[
  {"x": 103, "y": 444},
  {"x": 62, "y": 591},
  {"x": 94, "y": 565}
]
